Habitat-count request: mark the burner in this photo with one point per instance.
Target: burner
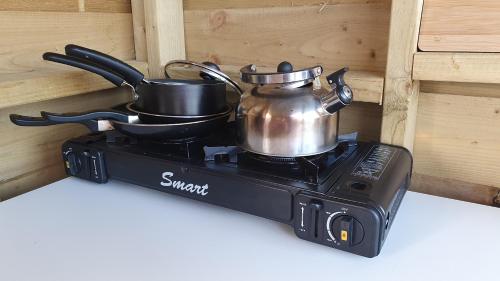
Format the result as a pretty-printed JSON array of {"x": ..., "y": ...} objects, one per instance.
[
  {"x": 278, "y": 160},
  {"x": 303, "y": 168},
  {"x": 311, "y": 169},
  {"x": 186, "y": 149},
  {"x": 174, "y": 141}
]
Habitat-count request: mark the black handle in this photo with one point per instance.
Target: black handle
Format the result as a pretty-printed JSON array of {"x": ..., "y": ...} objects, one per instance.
[
  {"x": 337, "y": 77},
  {"x": 131, "y": 74},
  {"x": 341, "y": 94},
  {"x": 85, "y": 116},
  {"x": 21, "y": 120},
  {"x": 30, "y": 121},
  {"x": 85, "y": 65}
]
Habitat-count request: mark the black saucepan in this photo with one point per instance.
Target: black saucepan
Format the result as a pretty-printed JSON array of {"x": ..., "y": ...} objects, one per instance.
[
  {"x": 162, "y": 96},
  {"x": 98, "y": 121}
]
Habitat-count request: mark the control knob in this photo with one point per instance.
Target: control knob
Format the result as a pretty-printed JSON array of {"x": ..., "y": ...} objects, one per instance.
[
  {"x": 345, "y": 230},
  {"x": 72, "y": 162}
]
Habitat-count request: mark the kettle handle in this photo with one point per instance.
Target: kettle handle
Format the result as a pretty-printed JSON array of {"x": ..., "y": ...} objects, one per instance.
[
  {"x": 337, "y": 77},
  {"x": 341, "y": 94}
]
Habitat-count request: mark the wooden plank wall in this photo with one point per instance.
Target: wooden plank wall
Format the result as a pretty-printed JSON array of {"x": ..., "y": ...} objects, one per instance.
[
  {"x": 460, "y": 26},
  {"x": 332, "y": 33},
  {"x": 265, "y": 32},
  {"x": 457, "y": 138},
  {"x": 30, "y": 157},
  {"x": 457, "y": 141}
]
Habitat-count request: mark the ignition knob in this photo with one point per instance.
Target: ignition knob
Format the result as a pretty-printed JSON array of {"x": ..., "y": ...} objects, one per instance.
[
  {"x": 347, "y": 230},
  {"x": 73, "y": 164}
]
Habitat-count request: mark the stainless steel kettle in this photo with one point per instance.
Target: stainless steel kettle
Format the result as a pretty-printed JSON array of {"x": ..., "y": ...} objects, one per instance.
[{"x": 288, "y": 113}]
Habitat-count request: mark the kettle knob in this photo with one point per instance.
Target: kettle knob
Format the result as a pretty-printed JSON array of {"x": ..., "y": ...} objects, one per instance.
[
  {"x": 285, "y": 67},
  {"x": 211, "y": 65}
]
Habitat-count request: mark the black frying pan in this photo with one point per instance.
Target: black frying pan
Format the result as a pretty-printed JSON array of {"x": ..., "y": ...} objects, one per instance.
[
  {"x": 151, "y": 118},
  {"x": 162, "y": 96},
  {"x": 98, "y": 121}
]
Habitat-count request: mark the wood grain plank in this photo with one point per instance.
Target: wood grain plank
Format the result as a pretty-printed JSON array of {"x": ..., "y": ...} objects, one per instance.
[
  {"x": 164, "y": 34},
  {"x": 460, "y": 26},
  {"x": 108, "y": 6},
  {"x": 463, "y": 89},
  {"x": 139, "y": 22},
  {"x": 454, "y": 189},
  {"x": 39, "y": 6},
  {"x": 400, "y": 91},
  {"x": 31, "y": 157},
  {"x": 238, "y": 4},
  {"x": 458, "y": 138},
  {"x": 457, "y": 67},
  {"x": 51, "y": 83},
  {"x": 353, "y": 35},
  {"x": 27, "y": 35}
]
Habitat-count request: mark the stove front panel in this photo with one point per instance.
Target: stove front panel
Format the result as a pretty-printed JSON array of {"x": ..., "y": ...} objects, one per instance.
[
  {"x": 353, "y": 212},
  {"x": 194, "y": 181}
]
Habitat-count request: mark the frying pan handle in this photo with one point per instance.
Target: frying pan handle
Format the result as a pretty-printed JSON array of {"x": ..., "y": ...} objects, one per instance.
[
  {"x": 30, "y": 121},
  {"x": 89, "y": 115},
  {"x": 131, "y": 74},
  {"x": 86, "y": 65},
  {"x": 21, "y": 120}
]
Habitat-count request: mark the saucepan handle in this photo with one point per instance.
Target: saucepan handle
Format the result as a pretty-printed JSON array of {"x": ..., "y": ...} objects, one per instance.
[
  {"x": 131, "y": 74},
  {"x": 86, "y": 65}
]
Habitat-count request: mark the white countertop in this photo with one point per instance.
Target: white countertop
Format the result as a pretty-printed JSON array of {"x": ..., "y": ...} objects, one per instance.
[{"x": 77, "y": 230}]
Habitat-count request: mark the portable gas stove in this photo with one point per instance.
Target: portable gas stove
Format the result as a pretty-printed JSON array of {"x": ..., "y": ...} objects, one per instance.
[{"x": 346, "y": 198}]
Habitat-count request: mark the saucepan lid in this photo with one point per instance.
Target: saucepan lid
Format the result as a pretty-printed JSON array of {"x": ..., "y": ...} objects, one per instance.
[{"x": 205, "y": 68}]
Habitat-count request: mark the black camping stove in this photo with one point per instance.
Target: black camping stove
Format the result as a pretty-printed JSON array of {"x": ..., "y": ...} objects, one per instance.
[{"x": 346, "y": 198}]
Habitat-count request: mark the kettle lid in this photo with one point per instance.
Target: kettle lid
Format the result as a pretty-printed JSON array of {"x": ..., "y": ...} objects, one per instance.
[{"x": 284, "y": 74}]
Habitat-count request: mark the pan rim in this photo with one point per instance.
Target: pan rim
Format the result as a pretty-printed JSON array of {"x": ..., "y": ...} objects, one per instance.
[
  {"x": 129, "y": 107},
  {"x": 184, "y": 82},
  {"x": 224, "y": 115}
]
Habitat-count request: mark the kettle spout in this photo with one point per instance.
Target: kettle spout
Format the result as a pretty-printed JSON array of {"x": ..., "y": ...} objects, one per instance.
[{"x": 340, "y": 95}]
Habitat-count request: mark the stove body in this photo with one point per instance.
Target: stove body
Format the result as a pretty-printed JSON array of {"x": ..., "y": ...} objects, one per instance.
[{"x": 346, "y": 198}]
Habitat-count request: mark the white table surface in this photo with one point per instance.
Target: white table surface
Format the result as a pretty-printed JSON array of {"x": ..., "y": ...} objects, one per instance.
[{"x": 77, "y": 230}]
